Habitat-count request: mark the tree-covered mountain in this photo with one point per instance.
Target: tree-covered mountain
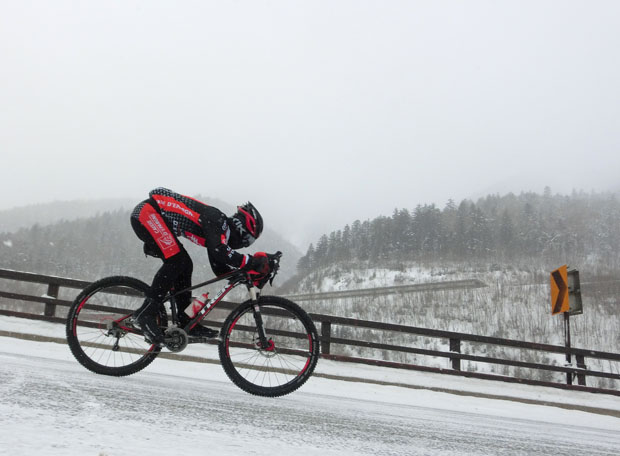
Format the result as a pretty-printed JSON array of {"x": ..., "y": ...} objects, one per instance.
[{"x": 544, "y": 228}]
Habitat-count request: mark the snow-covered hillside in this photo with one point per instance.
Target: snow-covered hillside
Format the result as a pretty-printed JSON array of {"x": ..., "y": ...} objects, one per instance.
[{"x": 515, "y": 304}]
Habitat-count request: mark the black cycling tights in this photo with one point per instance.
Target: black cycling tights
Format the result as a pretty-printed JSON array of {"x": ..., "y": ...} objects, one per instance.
[{"x": 175, "y": 273}]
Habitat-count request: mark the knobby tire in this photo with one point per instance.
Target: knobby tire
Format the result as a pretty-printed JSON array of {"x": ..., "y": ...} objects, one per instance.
[
  {"x": 283, "y": 366},
  {"x": 119, "y": 351}
]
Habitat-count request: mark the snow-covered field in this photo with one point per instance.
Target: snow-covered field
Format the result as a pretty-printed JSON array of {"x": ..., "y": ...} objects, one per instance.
[
  {"x": 53, "y": 406},
  {"x": 514, "y": 304}
]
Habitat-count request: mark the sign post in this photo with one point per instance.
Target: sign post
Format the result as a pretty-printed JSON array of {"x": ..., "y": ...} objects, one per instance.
[{"x": 566, "y": 299}]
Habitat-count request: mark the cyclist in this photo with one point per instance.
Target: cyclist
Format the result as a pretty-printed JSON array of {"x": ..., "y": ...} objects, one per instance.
[{"x": 164, "y": 217}]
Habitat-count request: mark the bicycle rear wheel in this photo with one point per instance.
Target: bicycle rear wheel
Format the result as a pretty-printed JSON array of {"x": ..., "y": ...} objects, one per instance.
[
  {"x": 100, "y": 333},
  {"x": 288, "y": 360}
]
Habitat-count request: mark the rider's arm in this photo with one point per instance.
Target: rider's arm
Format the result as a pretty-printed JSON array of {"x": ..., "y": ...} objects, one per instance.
[{"x": 216, "y": 242}]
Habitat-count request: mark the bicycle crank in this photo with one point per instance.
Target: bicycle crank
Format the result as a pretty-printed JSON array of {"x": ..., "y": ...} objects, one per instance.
[{"x": 175, "y": 340}]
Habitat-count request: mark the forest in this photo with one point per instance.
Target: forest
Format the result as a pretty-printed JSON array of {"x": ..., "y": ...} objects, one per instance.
[{"x": 544, "y": 228}]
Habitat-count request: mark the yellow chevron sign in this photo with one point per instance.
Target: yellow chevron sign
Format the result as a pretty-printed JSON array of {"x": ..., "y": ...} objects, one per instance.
[{"x": 559, "y": 291}]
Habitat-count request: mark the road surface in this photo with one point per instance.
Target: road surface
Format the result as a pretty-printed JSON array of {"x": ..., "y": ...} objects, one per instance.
[{"x": 56, "y": 407}]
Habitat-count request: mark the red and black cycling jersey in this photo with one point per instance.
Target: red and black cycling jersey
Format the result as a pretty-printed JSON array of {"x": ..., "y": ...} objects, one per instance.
[{"x": 200, "y": 223}]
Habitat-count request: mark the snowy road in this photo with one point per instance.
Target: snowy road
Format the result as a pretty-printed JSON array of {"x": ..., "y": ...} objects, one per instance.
[{"x": 56, "y": 407}]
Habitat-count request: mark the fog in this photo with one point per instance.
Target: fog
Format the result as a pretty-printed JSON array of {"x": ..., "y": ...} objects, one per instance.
[{"x": 319, "y": 112}]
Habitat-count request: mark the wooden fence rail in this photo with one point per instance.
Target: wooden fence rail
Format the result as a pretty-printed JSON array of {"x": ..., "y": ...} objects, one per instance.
[{"x": 334, "y": 347}]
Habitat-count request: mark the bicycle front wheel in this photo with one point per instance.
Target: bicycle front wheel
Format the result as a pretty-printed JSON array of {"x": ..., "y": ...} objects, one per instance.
[
  {"x": 285, "y": 363},
  {"x": 100, "y": 332}
]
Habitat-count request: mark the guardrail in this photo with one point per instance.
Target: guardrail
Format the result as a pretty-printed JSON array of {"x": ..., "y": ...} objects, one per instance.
[
  {"x": 327, "y": 325},
  {"x": 381, "y": 291}
]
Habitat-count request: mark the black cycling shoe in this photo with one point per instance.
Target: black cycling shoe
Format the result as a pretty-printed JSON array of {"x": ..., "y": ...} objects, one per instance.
[
  {"x": 203, "y": 331},
  {"x": 151, "y": 330}
]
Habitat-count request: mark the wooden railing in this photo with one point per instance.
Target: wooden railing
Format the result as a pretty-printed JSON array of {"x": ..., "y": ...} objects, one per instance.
[{"x": 336, "y": 348}]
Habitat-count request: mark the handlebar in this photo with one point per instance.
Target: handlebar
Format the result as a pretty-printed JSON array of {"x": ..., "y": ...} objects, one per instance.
[{"x": 274, "y": 265}]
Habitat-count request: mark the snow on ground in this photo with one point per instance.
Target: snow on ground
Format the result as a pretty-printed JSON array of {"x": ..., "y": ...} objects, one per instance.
[
  {"x": 335, "y": 278},
  {"x": 52, "y": 406},
  {"x": 379, "y": 277}
]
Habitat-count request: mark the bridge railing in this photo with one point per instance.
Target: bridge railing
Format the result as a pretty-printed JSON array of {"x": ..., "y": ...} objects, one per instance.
[{"x": 340, "y": 348}]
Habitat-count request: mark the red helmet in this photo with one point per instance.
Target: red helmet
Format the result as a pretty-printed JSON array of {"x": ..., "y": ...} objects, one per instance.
[{"x": 248, "y": 222}]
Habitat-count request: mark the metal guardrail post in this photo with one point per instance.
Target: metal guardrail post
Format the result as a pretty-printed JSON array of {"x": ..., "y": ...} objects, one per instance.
[
  {"x": 326, "y": 330},
  {"x": 567, "y": 344},
  {"x": 581, "y": 364},
  {"x": 455, "y": 347},
  {"x": 52, "y": 292}
]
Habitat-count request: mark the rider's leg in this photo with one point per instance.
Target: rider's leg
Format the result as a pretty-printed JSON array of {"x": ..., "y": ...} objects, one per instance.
[
  {"x": 183, "y": 300},
  {"x": 182, "y": 282},
  {"x": 159, "y": 241},
  {"x": 146, "y": 316}
]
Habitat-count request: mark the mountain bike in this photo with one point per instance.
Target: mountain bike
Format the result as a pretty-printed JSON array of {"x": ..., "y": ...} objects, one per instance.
[{"x": 267, "y": 345}]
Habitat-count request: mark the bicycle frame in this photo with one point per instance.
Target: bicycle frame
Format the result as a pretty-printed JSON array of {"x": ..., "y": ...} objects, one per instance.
[{"x": 235, "y": 278}]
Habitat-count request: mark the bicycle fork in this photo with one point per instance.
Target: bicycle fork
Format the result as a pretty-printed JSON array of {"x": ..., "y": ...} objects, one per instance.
[{"x": 263, "y": 343}]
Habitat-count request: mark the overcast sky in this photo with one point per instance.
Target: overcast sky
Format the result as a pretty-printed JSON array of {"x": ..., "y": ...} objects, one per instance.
[{"x": 319, "y": 112}]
